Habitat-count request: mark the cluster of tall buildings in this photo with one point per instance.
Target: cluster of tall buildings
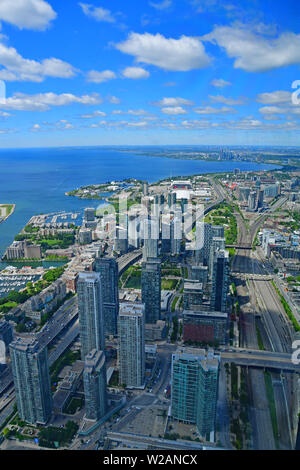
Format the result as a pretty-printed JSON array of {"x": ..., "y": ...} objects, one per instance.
[
  {"x": 254, "y": 196},
  {"x": 155, "y": 225},
  {"x": 194, "y": 373}
]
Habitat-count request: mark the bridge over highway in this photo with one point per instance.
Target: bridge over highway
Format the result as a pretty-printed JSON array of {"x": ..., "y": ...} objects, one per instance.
[
  {"x": 240, "y": 246},
  {"x": 127, "y": 260},
  {"x": 156, "y": 442},
  {"x": 260, "y": 359}
]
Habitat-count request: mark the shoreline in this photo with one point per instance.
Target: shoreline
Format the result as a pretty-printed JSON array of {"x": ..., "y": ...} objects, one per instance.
[
  {"x": 11, "y": 212},
  {"x": 95, "y": 198}
]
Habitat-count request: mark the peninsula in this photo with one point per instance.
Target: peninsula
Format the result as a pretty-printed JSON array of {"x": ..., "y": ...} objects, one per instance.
[{"x": 5, "y": 211}]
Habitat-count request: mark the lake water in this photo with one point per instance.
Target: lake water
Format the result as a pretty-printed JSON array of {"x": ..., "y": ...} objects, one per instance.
[{"x": 36, "y": 179}]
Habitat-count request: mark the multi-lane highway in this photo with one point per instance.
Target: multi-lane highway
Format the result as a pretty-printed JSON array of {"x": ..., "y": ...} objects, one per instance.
[{"x": 258, "y": 298}]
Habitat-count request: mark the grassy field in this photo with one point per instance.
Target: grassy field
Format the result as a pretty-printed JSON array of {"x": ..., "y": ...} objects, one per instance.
[
  {"x": 169, "y": 284},
  {"x": 224, "y": 215},
  {"x": 134, "y": 280}
]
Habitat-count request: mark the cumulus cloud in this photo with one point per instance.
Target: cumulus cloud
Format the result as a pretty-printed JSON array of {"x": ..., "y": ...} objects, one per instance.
[
  {"x": 255, "y": 51},
  {"x": 3, "y": 114},
  {"x": 43, "y": 101},
  {"x": 135, "y": 73},
  {"x": 227, "y": 101},
  {"x": 273, "y": 110},
  {"x": 133, "y": 112},
  {"x": 211, "y": 110},
  {"x": 98, "y": 13},
  {"x": 122, "y": 124},
  {"x": 183, "y": 54},
  {"x": 17, "y": 68},
  {"x": 93, "y": 115},
  {"x": 7, "y": 131},
  {"x": 162, "y": 5},
  {"x": 275, "y": 97},
  {"x": 114, "y": 100},
  {"x": 27, "y": 14},
  {"x": 194, "y": 124},
  {"x": 175, "y": 110},
  {"x": 99, "y": 77},
  {"x": 174, "y": 102},
  {"x": 35, "y": 128},
  {"x": 220, "y": 83}
]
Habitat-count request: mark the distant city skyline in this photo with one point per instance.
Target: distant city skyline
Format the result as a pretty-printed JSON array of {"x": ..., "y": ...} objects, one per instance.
[{"x": 149, "y": 73}]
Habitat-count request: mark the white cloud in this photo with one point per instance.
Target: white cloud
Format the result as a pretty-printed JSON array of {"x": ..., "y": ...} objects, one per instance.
[
  {"x": 276, "y": 97},
  {"x": 16, "y": 68},
  {"x": 272, "y": 110},
  {"x": 277, "y": 112},
  {"x": 255, "y": 52},
  {"x": 135, "y": 73},
  {"x": 122, "y": 124},
  {"x": 211, "y": 110},
  {"x": 35, "y": 128},
  {"x": 196, "y": 124},
  {"x": 98, "y": 13},
  {"x": 186, "y": 53},
  {"x": 161, "y": 6},
  {"x": 27, "y": 14},
  {"x": 220, "y": 83},
  {"x": 114, "y": 100},
  {"x": 133, "y": 112},
  {"x": 99, "y": 77},
  {"x": 7, "y": 131},
  {"x": 174, "y": 102},
  {"x": 137, "y": 112},
  {"x": 93, "y": 115},
  {"x": 244, "y": 124},
  {"x": 176, "y": 110},
  {"x": 227, "y": 101},
  {"x": 138, "y": 124},
  {"x": 43, "y": 101}
]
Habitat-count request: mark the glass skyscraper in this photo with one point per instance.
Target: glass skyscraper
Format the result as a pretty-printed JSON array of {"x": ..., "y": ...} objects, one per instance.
[
  {"x": 94, "y": 381},
  {"x": 32, "y": 381},
  {"x": 220, "y": 281},
  {"x": 108, "y": 269},
  {"x": 151, "y": 289},
  {"x": 90, "y": 306},
  {"x": 132, "y": 344},
  {"x": 151, "y": 237},
  {"x": 194, "y": 388}
]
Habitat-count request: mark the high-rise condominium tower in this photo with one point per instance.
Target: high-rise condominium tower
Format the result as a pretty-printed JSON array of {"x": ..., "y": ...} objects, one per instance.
[
  {"x": 194, "y": 386},
  {"x": 108, "y": 269},
  {"x": 220, "y": 281},
  {"x": 94, "y": 381},
  {"x": 132, "y": 344},
  {"x": 90, "y": 306},
  {"x": 151, "y": 289},
  {"x": 31, "y": 379}
]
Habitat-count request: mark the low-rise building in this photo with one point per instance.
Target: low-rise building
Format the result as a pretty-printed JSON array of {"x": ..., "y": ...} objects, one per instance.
[
  {"x": 46, "y": 301},
  {"x": 205, "y": 327},
  {"x": 192, "y": 294},
  {"x": 156, "y": 331}
]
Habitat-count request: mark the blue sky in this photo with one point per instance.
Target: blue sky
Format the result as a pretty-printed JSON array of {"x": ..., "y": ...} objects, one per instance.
[{"x": 149, "y": 72}]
